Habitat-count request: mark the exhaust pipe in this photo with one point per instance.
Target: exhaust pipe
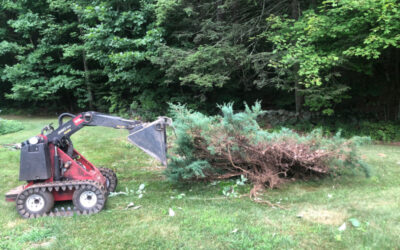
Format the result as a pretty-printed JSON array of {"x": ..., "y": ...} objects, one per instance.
[{"x": 152, "y": 138}]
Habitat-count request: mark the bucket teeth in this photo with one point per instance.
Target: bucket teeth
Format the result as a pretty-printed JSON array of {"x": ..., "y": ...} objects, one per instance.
[
  {"x": 63, "y": 188},
  {"x": 57, "y": 188},
  {"x": 70, "y": 187},
  {"x": 50, "y": 189},
  {"x": 43, "y": 189}
]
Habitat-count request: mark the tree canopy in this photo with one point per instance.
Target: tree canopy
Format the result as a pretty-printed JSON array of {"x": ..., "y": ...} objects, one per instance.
[{"x": 137, "y": 55}]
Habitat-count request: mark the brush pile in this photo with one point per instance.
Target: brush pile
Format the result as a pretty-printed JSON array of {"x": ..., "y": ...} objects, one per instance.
[{"x": 221, "y": 147}]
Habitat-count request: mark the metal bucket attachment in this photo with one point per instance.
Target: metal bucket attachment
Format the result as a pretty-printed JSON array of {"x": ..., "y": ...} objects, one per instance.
[{"x": 152, "y": 138}]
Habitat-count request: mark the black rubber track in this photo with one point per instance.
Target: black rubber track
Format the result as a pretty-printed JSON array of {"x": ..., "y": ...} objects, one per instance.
[
  {"x": 111, "y": 177},
  {"x": 58, "y": 185},
  {"x": 22, "y": 208}
]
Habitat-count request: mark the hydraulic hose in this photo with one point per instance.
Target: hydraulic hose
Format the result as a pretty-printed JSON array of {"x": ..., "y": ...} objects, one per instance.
[{"x": 61, "y": 117}]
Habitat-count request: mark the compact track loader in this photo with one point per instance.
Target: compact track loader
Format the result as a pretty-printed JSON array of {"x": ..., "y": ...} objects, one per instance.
[{"x": 55, "y": 171}]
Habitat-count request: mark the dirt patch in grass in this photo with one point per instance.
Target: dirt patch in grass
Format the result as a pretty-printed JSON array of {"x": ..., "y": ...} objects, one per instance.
[
  {"x": 169, "y": 231},
  {"x": 310, "y": 188},
  {"x": 44, "y": 244},
  {"x": 324, "y": 216},
  {"x": 271, "y": 222},
  {"x": 153, "y": 167},
  {"x": 13, "y": 224}
]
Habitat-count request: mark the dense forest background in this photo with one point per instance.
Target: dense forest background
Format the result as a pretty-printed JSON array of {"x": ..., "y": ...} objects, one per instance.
[{"x": 335, "y": 58}]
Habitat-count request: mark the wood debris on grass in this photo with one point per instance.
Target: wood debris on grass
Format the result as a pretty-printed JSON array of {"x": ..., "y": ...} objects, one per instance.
[
  {"x": 171, "y": 212},
  {"x": 132, "y": 206}
]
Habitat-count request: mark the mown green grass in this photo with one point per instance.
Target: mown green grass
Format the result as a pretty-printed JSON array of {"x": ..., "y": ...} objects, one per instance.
[{"x": 204, "y": 218}]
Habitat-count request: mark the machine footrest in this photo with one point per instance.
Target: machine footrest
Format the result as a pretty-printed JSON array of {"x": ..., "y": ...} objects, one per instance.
[{"x": 13, "y": 193}]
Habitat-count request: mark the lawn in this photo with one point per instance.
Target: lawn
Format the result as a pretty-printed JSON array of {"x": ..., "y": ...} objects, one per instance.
[{"x": 204, "y": 217}]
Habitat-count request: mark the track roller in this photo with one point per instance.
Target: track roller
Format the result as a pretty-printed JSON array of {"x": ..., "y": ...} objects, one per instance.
[
  {"x": 89, "y": 199},
  {"x": 33, "y": 203}
]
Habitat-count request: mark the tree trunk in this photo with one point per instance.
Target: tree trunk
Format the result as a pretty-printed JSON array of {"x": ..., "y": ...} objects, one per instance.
[
  {"x": 295, "y": 7},
  {"x": 86, "y": 72},
  {"x": 219, "y": 11},
  {"x": 87, "y": 80},
  {"x": 297, "y": 96}
]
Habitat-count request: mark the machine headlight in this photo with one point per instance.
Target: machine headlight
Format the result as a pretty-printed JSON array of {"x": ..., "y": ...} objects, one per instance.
[{"x": 33, "y": 140}]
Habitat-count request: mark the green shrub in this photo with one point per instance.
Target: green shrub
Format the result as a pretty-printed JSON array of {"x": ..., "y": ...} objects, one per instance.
[
  {"x": 232, "y": 145},
  {"x": 10, "y": 126}
]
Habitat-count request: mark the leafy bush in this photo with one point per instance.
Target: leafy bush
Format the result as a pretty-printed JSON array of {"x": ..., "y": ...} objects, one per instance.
[
  {"x": 231, "y": 145},
  {"x": 10, "y": 126}
]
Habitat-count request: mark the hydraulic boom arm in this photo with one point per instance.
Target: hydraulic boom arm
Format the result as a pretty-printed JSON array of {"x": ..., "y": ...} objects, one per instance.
[
  {"x": 150, "y": 137},
  {"x": 90, "y": 118}
]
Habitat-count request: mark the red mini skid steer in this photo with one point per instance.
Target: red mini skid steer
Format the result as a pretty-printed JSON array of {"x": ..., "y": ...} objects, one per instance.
[{"x": 55, "y": 171}]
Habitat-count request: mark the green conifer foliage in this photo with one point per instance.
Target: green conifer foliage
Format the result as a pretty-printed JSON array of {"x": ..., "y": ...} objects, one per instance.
[{"x": 233, "y": 144}]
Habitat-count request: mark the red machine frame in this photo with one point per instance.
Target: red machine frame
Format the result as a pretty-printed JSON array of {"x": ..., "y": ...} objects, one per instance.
[{"x": 86, "y": 171}]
